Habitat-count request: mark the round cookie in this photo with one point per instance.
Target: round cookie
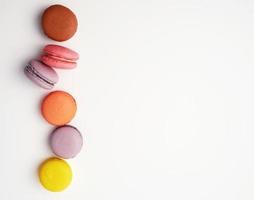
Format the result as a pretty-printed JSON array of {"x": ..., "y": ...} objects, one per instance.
[
  {"x": 58, "y": 108},
  {"x": 66, "y": 141},
  {"x": 59, "y": 57},
  {"x": 59, "y": 23},
  {"x": 55, "y": 174}
]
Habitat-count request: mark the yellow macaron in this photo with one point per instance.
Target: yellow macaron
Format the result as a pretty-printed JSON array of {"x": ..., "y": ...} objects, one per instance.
[{"x": 55, "y": 174}]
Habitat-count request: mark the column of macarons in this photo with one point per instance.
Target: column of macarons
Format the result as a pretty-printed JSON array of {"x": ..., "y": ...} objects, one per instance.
[{"x": 58, "y": 107}]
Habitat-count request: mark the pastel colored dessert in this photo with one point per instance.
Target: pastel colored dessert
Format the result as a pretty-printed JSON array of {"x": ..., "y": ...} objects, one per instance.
[
  {"x": 55, "y": 174},
  {"x": 42, "y": 75},
  {"x": 58, "y": 108},
  {"x": 66, "y": 141},
  {"x": 59, "y": 57},
  {"x": 59, "y": 23}
]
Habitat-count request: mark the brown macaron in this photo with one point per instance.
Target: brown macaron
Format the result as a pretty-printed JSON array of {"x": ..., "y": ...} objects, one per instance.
[{"x": 59, "y": 23}]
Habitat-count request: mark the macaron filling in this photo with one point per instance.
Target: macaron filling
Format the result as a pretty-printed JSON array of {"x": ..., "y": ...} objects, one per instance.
[
  {"x": 58, "y": 58},
  {"x": 30, "y": 69},
  {"x": 55, "y": 56}
]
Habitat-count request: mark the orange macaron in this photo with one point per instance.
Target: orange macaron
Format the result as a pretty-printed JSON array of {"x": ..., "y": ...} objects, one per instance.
[{"x": 58, "y": 108}]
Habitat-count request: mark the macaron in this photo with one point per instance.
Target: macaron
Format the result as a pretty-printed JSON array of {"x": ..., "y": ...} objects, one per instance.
[
  {"x": 66, "y": 141},
  {"x": 59, "y": 23},
  {"x": 58, "y": 108},
  {"x": 55, "y": 174},
  {"x": 42, "y": 75},
  {"x": 59, "y": 57}
]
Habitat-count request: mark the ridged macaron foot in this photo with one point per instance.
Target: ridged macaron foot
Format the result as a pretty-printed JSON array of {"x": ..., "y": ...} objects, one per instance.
[
  {"x": 42, "y": 75},
  {"x": 55, "y": 174},
  {"x": 58, "y": 108},
  {"x": 59, "y": 57}
]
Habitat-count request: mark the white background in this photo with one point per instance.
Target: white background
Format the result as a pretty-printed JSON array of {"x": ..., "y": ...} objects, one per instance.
[{"x": 165, "y": 100}]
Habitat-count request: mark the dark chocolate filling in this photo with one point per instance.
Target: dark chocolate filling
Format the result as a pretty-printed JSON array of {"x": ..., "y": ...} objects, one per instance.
[{"x": 29, "y": 68}]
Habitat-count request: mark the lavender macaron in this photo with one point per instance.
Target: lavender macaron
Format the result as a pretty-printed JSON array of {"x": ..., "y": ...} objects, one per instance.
[
  {"x": 41, "y": 74},
  {"x": 66, "y": 141}
]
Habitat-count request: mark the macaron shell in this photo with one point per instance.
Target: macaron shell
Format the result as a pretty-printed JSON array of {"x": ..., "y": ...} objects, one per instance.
[
  {"x": 58, "y": 108},
  {"x": 60, "y": 51},
  {"x": 55, "y": 174},
  {"x": 45, "y": 71},
  {"x": 57, "y": 63},
  {"x": 59, "y": 23},
  {"x": 42, "y": 74},
  {"x": 66, "y": 141}
]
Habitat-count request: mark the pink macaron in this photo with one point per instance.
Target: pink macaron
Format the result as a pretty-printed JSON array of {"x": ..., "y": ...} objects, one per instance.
[
  {"x": 59, "y": 57},
  {"x": 42, "y": 75}
]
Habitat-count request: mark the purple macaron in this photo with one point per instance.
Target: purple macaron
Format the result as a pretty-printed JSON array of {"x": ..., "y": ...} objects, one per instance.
[
  {"x": 41, "y": 74},
  {"x": 66, "y": 141}
]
